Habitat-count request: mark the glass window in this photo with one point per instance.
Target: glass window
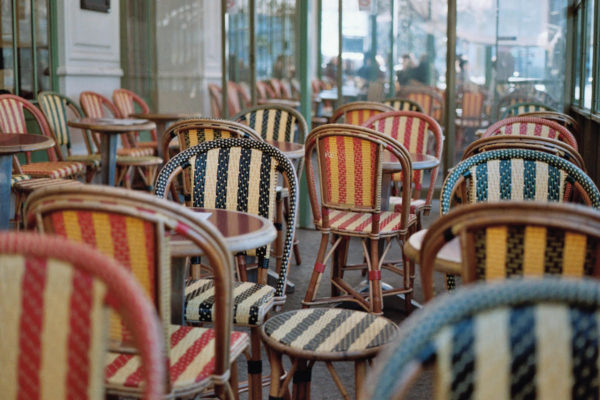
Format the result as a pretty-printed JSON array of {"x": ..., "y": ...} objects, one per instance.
[
  {"x": 577, "y": 64},
  {"x": 589, "y": 52}
]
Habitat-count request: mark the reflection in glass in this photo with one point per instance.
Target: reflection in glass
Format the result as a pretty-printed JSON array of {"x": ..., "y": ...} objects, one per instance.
[{"x": 589, "y": 51}]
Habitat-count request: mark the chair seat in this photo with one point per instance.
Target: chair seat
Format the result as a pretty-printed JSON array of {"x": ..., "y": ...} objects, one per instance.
[
  {"x": 92, "y": 160},
  {"x": 139, "y": 160},
  {"x": 135, "y": 151},
  {"x": 151, "y": 144},
  {"x": 416, "y": 205},
  {"x": 18, "y": 178},
  {"x": 191, "y": 360},
  {"x": 356, "y": 222},
  {"x": 29, "y": 185},
  {"x": 252, "y": 301},
  {"x": 330, "y": 330},
  {"x": 53, "y": 169}
]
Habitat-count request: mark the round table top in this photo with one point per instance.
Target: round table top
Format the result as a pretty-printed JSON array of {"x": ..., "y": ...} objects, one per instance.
[
  {"x": 242, "y": 231},
  {"x": 448, "y": 259},
  {"x": 282, "y": 102},
  {"x": 291, "y": 150},
  {"x": 165, "y": 116},
  {"x": 13, "y": 143},
  {"x": 419, "y": 161},
  {"x": 112, "y": 125}
]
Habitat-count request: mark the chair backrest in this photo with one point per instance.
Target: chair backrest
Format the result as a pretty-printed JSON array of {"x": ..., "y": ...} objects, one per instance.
[
  {"x": 514, "y": 239},
  {"x": 349, "y": 162},
  {"x": 517, "y": 174},
  {"x": 413, "y": 130},
  {"x": 400, "y": 104},
  {"x": 529, "y": 126},
  {"x": 472, "y": 105},
  {"x": 191, "y": 132},
  {"x": 237, "y": 99},
  {"x": 215, "y": 93},
  {"x": 532, "y": 338},
  {"x": 358, "y": 112},
  {"x": 274, "y": 122},
  {"x": 264, "y": 90},
  {"x": 126, "y": 100},
  {"x": 560, "y": 118},
  {"x": 523, "y": 96},
  {"x": 552, "y": 146},
  {"x": 427, "y": 97},
  {"x": 517, "y": 109},
  {"x": 53, "y": 294},
  {"x": 134, "y": 227},
  {"x": 236, "y": 174},
  {"x": 280, "y": 89},
  {"x": 94, "y": 105},
  {"x": 12, "y": 120}
]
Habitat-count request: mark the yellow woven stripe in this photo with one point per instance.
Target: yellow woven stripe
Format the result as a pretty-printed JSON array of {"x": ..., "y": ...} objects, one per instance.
[
  {"x": 492, "y": 355},
  {"x": 233, "y": 173},
  {"x": 242, "y": 312},
  {"x": 55, "y": 330},
  {"x": 271, "y": 134},
  {"x": 388, "y": 128},
  {"x": 209, "y": 134},
  {"x": 368, "y": 166},
  {"x": 97, "y": 349},
  {"x": 495, "y": 246},
  {"x": 193, "y": 139},
  {"x": 545, "y": 131},
  {"x": 258, "y": 120},
  {"x": 12, "y": 268},
  {"x": 443, "y": 366},
  {"x": 210, "y": 178},
  {"x": 138, "y": 259},
  {"x": 200, "y": 360},
  {"x": 273, "y": 173},
  {"x": 553, "y": 352},
  {"x": 516, "y": 180},
  {"x": 254, "y": 179},
  {"x": 541, "y": 181},
  {"x": 55, "y": 108},
  {"x": 534, "y": 248},
  {"x": 493, "y": 180},
  {"x": 331, "y": 156},
  {"x": 72, "y": 228},
  {"x": 414, "y": 136},
  {"x": 350, "y": 171},
  {"x": 530, "y": 129},
  {"x": 574, "y": 254}
]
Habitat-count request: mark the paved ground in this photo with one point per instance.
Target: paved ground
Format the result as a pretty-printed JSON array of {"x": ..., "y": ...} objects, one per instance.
[{"x": 323, "y": 386}]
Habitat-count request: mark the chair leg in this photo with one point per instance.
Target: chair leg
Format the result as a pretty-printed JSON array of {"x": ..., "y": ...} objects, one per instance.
[
  {"x": 255, "y": 366},
  {"x": 375, "y": 298},
  {"x": 318, "y": 270},
  {"x": 302, "y": 377},
  {"x": 360, "y": 371},
  {"x": 233, "y": 380},
  {"x": 275, "y": 360}
]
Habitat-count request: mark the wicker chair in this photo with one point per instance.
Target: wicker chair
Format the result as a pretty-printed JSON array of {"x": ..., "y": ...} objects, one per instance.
[
  {"x": 133, "y": 227},
  {"x": 358, "y": 112},
  {"x": 428, "y": 98},
  {"x": 131, "y": 158},
  {"x": 472, "y": 107},
  {"x": 514, "y": 238},
  {"x": 53, "y": 293},
  {"x": 517, "y": 109},
  {"x": 413, "y": 130},
  {"x": 350, "y": 173},
  {"x": 400, "y": 104},
  {"x": 528, "y": 126},
  {"x": 126, "y": 101},
  {"x": 209, "y": 170},
  {"x": 563, "y": 119},
  {"x": 523, "y": 96},
  {"x": 533, "y": 338}
]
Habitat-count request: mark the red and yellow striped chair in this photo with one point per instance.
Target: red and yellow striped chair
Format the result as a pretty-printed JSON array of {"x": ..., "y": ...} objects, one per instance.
[
  {"x": 53, "y": 297},
  {"x": 133, "y": 227},
  {"x": 560, "y": 118},
  {"x": 414, "y": 130},
  {"x": 350, "y": 174},
  {"x": 237, "y": 99},
  {"x": 126, "y": 101},
  {"x": 358, "y": 112},
  {"x": 530, "y": 126},
  {"x": 428, "y": 98}
]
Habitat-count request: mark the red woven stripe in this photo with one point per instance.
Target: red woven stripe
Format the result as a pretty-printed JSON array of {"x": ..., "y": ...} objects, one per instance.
[
  {"x": 150, "y": 238},
  {"x": 406, "y": 133},
  {"x": 552, "y": 134},
  {"x": 327, "y": 157},
  {"x": 350, "y": 220},
  {"x": 523, "y": 129},
  {"x": 421, "y": 137},
  {"x": 359, "y": 185},
  {"x": 537, "y": 130},
  {"x": 341, "y": 168},
  {"x": 18, "y": 117},
  {"x": 375, "y": 275},
  {"x": 118, "y": 363},
  {"x": 118, "y": 232},
  {"x": 319, "y": 267},
  {"x": 86, "y": 224},
  {"x": 338, "y": 215},
  {"x": 58, "y": 223},
  {"x": 363, "y": 226},
  {"x": 79, "y": 335},
  {"x": 30, "y": 328},
  {"x": 388, "y": 218},
  {"x": 185, "y": 360}
]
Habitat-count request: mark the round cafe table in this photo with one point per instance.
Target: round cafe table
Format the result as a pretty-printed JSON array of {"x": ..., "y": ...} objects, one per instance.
[
  {"x": 109, "y": 129},
  {"x": 242, "y": 231},
  {"x": 161, "y": 119},
  {"x": 291, "y": 150},
  {"x": 448, "y": 259},
  {"x": 11, "y": 144}
]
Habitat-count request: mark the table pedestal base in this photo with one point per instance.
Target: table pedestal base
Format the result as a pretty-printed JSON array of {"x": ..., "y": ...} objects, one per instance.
[
  {"x": 109, "y": 158},
  {"x": 5, "y": 176}
]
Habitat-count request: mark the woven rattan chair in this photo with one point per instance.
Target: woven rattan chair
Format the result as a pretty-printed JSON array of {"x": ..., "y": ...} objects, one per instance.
[
  {"x": 472, "y": 115},
  {"x": 563, "y": 119},
  {"x": 209, "y": 168},
  {"x": 55, "y": 106},
  {"x": 53, "y": 297},
  {"x": 528, "y": 126},
  {"x": 535, "y": 339},
  {"x": 133, "y": 227},
  {"x": 126, "y": 102},
  {"x": 514, "y": 239},
  {"x": 400, "y": 104},
  {"x": 414, "y": 130},
  {"x": 350, "y": 173},
  {"x": 523, "y": 96},
  {"x": 130, "y": 158},
  {"x": 358, "y": 112},
  {"x": 428, "y": 98},
  {"x": 517, "y": 109}
]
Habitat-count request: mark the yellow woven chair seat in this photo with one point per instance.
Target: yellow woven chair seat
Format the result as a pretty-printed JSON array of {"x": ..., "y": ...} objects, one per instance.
[
  {"x": 416, "y": 205},
  {"x": 53, "y": 169},
  {"x": 251, "y": 302},
  {"x": 139, "y": 160},
  {"x": 191, "y": 360},
  {"x": 18, "y": 178},
  {"x": 355, "y": 222},
  {"x": 92, "y": 160},
  {"x": 135, "y": 151}
]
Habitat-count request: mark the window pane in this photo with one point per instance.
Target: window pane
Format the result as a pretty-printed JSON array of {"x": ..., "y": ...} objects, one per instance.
[
  {"x": 589, "y": 52},
  {"x": 6, "y": 54},
  {"x": 577, "y": 66}
]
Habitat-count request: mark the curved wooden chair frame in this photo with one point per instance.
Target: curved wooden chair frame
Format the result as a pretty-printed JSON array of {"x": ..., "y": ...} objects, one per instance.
[
  {"x": 513, "y": 109},
  {"x": 564, "y": 119},
  {"x": 402, "y": 104},
  {"x": 561, "y": 132},
  {"x": 356, "y": 106}
]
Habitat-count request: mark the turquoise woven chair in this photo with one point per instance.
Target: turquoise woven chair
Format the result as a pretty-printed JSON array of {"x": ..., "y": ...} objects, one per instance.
[{"x": 533, "y": 339}]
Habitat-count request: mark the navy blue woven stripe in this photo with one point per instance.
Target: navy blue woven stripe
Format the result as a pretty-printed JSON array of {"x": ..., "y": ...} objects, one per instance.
[
  {"x": 523, "y": 351},
  {"x": 528, "y": 180},
  {"x": 505, "y": 180},
  {"x": 584, "y": 353},
  {"x": 199, "y": 180},
  {"x": 481, "y": 177},
  {"x": 463, "y": 359},
  {"x": 289, "y": 128},
  {"x": 554, "y": 192},
  {"x": 243, "y": 179},
  {"x": 265, "y": 123},
  {"x": 222, "y": 176}
]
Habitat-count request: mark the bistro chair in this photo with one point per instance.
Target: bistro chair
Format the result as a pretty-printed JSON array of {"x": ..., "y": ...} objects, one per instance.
[
  {"x": 131, "y": 158},
  {"x": 53, "y": 298},
  {"x": 529, "y": 126},
  {"x": 523, "y": 96},
  {"x": 428, "y": 98},
  {"x": 358, "y": 112},
  {"x": 530, "y": 338},
  {"x": 563, "y": 119},
  {"x": 349, "y": 160},
  {"x": 55, "y": 106},
  {"x": 472, "y": 115},
  {"x": 515, "y": 239},
  {"x": 400, "y": 104},
  {"x": 517, "y": 109},
  {"x": 241, "y": 175},
  {"x": 237, "y": 99},
  {"x": 134, "y": 228},
  {"x": 126, "y": 102},
  {"x": 414, "y": 130}
]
